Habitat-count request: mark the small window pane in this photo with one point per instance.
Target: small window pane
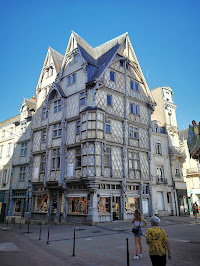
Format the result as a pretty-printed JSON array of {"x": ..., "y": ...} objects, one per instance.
[{"x": 112, "y": 76}]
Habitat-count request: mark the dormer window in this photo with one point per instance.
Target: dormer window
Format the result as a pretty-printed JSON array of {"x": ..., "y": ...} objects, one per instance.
[
  {"x": 57, "y": 106},
  {"x": 49, "y": 72}
]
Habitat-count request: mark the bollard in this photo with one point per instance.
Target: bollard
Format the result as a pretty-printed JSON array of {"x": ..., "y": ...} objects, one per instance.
[
  {"x": 48, "y": 237},
  {"x": 20, "y": 226},
  {"x": 40, "y": 233},
  {"x": 7, "y": 222},
  {"x": 127, "y": 251},
  {"x": 74, "y": 244},
  {"x": 14, "y": 222},
  {"x": 28, "y": 226}
]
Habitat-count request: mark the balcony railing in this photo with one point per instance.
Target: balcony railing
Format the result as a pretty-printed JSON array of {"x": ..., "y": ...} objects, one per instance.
[{"x": 161, "y": 180}]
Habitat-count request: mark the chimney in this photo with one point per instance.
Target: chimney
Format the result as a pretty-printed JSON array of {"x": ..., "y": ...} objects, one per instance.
[{"x": 33, "y": 99}]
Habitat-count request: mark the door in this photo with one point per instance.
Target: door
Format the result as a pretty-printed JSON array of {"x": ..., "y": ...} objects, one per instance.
[
  {"x": 169, "y": 203},
  {"x": 116, "y": 208}
]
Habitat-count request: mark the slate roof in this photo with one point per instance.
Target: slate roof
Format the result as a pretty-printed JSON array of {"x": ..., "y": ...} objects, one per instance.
[
  {"x": 57, "y": 58},
  {"x": 98, "y": 58}
]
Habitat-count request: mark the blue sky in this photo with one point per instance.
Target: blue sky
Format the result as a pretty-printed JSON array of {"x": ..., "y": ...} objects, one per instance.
[{"x": 165, "y": 35}]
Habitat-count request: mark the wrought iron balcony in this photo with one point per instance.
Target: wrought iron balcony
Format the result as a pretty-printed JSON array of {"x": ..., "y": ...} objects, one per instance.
[{"x": 161, "y": 180}]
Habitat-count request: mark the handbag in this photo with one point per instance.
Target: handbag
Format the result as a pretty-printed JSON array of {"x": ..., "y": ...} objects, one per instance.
[{"x": 135, "y": 231}]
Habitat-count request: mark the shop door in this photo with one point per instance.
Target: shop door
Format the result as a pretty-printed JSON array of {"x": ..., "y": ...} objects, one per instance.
[
  {"x": 116, "y": 208},
  {"x": 169, "y": 203}
]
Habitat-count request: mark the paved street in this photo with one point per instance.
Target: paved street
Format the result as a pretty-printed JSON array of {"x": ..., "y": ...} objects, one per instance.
[{"x": 104, "y": 244}]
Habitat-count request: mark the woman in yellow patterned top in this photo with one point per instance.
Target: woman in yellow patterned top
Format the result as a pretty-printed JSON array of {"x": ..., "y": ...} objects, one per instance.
[{"x": 157, "y": 240}]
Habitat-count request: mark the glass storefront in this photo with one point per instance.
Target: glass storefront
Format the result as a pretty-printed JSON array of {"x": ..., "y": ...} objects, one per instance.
[
  {"x": 78, "y": 205},
  {"x": 104, "y": 205},
  {"x": 131, "y": 204},
  {"x": 41, "y": 203}
]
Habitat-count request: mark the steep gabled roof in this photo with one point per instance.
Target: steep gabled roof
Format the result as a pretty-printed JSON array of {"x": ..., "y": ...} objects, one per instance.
[
  {"x": 57, "y": 58},
  {"x": 57, "y": 61},
  {"x": 30, "y": 104},
  {"x": 97, "y": 58}
]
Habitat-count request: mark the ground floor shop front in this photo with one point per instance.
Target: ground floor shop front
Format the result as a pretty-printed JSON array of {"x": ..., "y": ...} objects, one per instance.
[{"x": 76, "y": 204}]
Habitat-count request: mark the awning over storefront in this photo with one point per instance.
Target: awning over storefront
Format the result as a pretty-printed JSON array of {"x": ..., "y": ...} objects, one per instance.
[{"x": 180, "y": 185}]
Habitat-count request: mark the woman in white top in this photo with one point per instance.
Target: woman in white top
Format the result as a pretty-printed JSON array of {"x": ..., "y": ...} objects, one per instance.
[{"x": 137, "y": 221}]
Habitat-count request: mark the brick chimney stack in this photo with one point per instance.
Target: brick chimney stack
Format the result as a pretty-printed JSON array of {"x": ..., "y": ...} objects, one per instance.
[{"x": 33, "y": 99}]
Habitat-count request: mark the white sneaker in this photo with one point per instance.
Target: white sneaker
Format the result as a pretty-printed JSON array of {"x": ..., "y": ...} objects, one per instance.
[
  {"x": 136, "y": 257},
  {"x": 140, "y": 255}
]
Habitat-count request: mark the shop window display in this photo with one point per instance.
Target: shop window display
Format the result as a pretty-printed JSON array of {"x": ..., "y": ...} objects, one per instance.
[
  {"x": 104, "y": 205},
  {"x": 41, "y": 203},
  {"x": 131, "y": 204},
  {"x": 78, "y": 205},
  {"x": 18, "y": 205}
]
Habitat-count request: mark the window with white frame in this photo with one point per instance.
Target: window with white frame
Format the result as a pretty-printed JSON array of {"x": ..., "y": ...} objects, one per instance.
[
  {"x": 1, "y": 151},
  {"x": 22, "y": 173},
  {"x": 82, "y": 98},
  {"x": 78, "y": 158},
  {"x": 158, "y": 148},
  {"x": 57, "y": 106},
  {"x": 177, "y": 172},
  {"x": 109, "y": 100},
  {"x": 23, "y": 151},
  {"x": 137, "y": 109},
  {"x": 133, "y": 132},
  {"x": 74, "y": 78},
  {"x": 160, "y": 173},
  {"x": 9, "y": 149},
  {"x": 108, "y": 126},
  {"x": 136, "y": 86},
  {"x": 107, "y": 157},
  {"x": 44, "y": 113},
  {"x": 49, "y": 72},
  {"x": 23, "y": 128},
  {"x": 4, "y": 177},
  {"x": 131, "y": 85},
  {"x": 132, "y": 108},
  {"x": 55, "y": 159},
  {"x": 78, "y": 127},
  {"x": 155, "y": 129},
  {"x": 57, "y": 130},
  {"x": 134, "y": 161},
  {"x": 71, "y": 79},
  {"x": 44, "y": 135},
  {"x": 121, "y": 63},
  {"x": 43, "y": 162},
  {"x": 112, "y": 76}
]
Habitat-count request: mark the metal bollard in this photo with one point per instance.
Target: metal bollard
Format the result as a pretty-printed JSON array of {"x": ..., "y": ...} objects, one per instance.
[
  {"x": 28, "y": 227},
  {"x": 20, "y": 225},
  {"x": 74, "y": 243},
  {"x": 14, "y": 222},
  {"x": 7, "y": 222},
  {"x": 48, "y": 237},
  {"x": 40, "y": 233},
  {"x": 127, "y": 251}
]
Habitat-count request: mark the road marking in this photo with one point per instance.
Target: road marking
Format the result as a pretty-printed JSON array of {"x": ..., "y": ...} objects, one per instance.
[{"x": 8, "y": 246}]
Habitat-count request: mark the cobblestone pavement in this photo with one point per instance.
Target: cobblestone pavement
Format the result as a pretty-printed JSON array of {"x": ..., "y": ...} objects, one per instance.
[{"x": 103, "y": 244}]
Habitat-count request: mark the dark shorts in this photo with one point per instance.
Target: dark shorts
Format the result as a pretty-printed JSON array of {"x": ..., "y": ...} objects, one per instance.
[
  {"x": 139, "y": 232},
  {"x": 158, "y": 260}
]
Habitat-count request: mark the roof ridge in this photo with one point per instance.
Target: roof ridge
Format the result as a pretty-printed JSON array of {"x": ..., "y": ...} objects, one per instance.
[{"x": 112, "y": 40}]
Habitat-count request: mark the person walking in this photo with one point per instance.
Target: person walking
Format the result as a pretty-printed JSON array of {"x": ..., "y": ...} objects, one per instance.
[
  {"x": 195, "y": 210},
  {"x": 138, "y": 222},
  {"x": 157, "y": 240}
]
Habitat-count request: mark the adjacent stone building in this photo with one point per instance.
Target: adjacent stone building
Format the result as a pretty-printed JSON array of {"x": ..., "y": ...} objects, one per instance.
[
  {"x": 8, "y": 139},
  {"x": 91, "y": 134},
  {"x": 21, "y": 160},
  {"x": 191, "y": 171},
  {"x": 165, "y": 113}
]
